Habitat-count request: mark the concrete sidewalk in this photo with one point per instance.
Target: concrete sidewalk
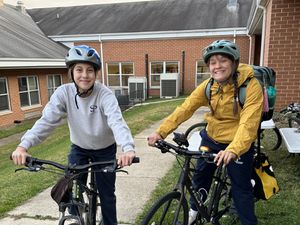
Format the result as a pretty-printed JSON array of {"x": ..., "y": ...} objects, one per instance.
[{"x": 132, "y": 189}]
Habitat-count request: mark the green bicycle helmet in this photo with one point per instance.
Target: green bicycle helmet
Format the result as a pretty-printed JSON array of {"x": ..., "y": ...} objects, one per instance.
[
  {"x": 84, "y": 54},
  {"x": 221, "y": 47}
]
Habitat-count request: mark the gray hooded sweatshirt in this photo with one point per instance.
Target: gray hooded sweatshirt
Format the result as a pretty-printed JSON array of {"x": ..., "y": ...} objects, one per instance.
[{"x": 97, "y": 122}]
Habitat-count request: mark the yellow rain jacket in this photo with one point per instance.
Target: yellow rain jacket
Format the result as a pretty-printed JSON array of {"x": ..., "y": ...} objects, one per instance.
[{"x": 240, "y": 130}]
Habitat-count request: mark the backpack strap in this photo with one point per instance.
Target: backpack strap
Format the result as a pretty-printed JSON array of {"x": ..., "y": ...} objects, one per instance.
[
  {"x": 242, "y": 92},
  {"x": 208, "y": 90}
]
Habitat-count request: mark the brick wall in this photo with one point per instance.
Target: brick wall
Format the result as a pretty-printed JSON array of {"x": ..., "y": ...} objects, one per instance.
[
  {"x": 164, "y": 50},
  {"x": 284, "y": 49}
]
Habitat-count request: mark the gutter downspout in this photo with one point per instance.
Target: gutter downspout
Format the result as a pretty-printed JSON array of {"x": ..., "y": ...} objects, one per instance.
[
  {"x": 250, "y": 49},
  {"x": 234, "y": 36},
  {"x": 263, "y": 32},
  {"x": 102, "y": 59}
]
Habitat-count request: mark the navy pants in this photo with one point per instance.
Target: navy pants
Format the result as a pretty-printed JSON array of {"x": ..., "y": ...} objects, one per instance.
[
  {"x": 239, "y": 174},
  {"x": 105, "y": 182}
]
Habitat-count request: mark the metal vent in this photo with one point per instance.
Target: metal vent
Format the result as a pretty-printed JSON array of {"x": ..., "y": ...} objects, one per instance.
[
  {"x": 137, "y": 88},
  {"x": 168, "y": 88}
]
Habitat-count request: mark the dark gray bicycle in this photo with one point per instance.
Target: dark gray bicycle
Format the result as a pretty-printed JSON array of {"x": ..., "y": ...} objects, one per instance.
[
  {"x": 173, "y": 208},
  {"x": 69, "y": 192}
]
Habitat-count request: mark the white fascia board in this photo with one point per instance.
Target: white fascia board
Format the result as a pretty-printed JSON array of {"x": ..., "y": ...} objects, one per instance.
[
  {"x": 150, "y": 35},
  {"x": 21, "y": 63}
]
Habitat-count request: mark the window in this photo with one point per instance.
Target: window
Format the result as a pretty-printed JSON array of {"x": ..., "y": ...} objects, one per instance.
[
  {"x": 118, "y": 74},
  {"x": 158, "y": 68},
  {"x": 28, "y": 90},
  {"x": 4, "y": 98},
  {"x": 202, "y": 72},
  {"x": 54, "y": 81}
]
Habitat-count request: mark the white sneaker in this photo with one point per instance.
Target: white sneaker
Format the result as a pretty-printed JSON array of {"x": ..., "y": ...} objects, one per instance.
[{"x": 192, "y": 216}]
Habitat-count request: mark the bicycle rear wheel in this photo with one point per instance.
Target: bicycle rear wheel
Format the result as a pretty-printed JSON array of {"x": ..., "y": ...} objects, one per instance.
[
  {"x": 271, "y": 138},
  {"x": 294, "y": 122},
  {"x": 168, "y": 210}
]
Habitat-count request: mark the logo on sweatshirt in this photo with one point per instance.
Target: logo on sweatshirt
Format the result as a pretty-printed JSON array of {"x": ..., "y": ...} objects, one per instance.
[{"x": 92, "y": 108}]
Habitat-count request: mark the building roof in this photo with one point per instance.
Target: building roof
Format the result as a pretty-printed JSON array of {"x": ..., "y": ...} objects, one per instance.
[
  {"x": 22, "y": 40},
  {"x": 164, "y": 15}
]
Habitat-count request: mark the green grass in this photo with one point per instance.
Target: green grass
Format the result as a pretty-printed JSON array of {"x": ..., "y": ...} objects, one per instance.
[
  {"x": 16, "y": 188},
  {"x": 16, "y": 128}
]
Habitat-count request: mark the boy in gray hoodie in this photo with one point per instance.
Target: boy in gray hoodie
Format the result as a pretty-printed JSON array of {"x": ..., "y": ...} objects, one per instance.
[{"x": 95, "y": 122}]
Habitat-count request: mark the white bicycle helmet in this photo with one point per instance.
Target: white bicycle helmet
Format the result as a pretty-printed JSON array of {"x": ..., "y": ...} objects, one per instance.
[{"x": 83, "y": 53}]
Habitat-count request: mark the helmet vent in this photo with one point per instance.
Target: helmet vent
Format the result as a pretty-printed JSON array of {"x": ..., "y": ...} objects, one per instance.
[
  {"x": 78, "y": 52},
  {"x": 90, "y": 53}
]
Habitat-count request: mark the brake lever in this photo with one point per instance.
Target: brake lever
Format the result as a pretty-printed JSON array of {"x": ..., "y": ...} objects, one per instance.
[{"x": 30, "y": 169}]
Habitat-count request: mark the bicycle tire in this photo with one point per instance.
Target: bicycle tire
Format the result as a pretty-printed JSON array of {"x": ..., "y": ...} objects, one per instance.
[
  {"x": 294, "y": 122},
  {"x": 222, "y": 199},
  {"x": 267, "y": 137},
  {"x": 194, "y": 128},
  {"x": 90, "y": 217},
  {"x": 163, "y": 211}
]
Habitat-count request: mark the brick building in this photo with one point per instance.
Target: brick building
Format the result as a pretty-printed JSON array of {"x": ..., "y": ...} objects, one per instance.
[{"x": 161, "y": 42}]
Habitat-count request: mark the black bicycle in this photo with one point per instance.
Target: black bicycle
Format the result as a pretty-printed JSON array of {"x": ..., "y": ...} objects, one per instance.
[
  {"x": 292, "y": 113},
  {"x": 173, "y": 208},
  {"x": 70, "y": 193}
]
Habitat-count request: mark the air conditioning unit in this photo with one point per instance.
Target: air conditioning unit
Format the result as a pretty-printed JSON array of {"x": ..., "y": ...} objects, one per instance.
[
  {"x": 117, "y": 91},
  {"x": 137, "y": 88},
  {"x": 169, "y": 85}
]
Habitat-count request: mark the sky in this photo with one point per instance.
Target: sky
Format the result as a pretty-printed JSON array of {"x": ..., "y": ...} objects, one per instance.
[{"x": 29, "y": 4}]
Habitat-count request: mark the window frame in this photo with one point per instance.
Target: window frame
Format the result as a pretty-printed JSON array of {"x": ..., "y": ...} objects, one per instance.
[
  {"x": 29, "y": 91},
  {"x": 204, "y": 74},
  {"x": 164, "y": 64},
  {"x": 52, "y": 76},
  {"x": 120, "y": 74},
  {"x": 6, "y": 94}
]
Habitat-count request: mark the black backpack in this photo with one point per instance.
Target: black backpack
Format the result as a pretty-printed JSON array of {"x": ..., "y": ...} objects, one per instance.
[{"x": 267, "y": 78}]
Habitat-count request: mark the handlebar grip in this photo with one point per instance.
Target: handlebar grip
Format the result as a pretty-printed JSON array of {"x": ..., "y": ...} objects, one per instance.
[{"x": 136, "y": 159}]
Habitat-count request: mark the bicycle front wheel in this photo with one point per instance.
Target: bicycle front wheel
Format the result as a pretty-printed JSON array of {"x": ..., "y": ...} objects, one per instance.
[{"x": 168, "y": 210}]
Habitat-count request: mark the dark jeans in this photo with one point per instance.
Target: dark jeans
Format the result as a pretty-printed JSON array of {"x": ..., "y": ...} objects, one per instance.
[
  {"x": 105, "y": 182},
  {"x": 239, "y": 174}
]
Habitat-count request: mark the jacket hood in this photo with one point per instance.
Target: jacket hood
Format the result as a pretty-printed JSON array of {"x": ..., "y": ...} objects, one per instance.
[{"x": 245, "y": 72}]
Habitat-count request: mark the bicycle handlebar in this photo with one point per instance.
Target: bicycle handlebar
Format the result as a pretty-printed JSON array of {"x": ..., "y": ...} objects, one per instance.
[
  {"x": 165, "y": 146},
  {"x": 291, "y": 108},
  {"x": 35, "y": 164}
]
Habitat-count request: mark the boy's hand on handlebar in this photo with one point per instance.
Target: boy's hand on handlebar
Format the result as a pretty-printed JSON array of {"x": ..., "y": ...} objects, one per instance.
[
  {"x": 153, "y": 138},
  {"x": 19, "y": 156},
  {"x": 125, "y": 159},
  {"x": 225, "y": 156}
]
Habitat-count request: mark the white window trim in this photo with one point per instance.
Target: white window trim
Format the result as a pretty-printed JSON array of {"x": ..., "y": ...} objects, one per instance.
[
  {"x": 38, "y": 89},
  {"x": 8, "y": 97},
  {"x": 55, "y": 87},
  {"x": 121, "y": 86},
  {"x": 164, "y": 71},
  {"x": 196, "y": 73}
]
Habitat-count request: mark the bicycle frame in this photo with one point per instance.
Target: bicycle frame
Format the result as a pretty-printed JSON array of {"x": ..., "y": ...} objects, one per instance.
[
  {"x": 35, "y": 165},
  {"x": 210, "y": 211},
  {"x": 89, "y": 208}
]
